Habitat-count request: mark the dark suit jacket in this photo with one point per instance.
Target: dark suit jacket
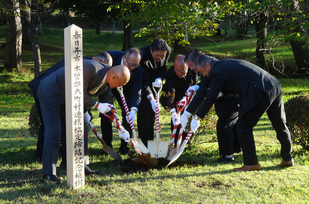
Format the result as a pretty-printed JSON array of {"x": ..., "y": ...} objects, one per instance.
[
  {"x": 240, "y": 77},
  {"x": 93, "y": 73},
  {"x": 179, "y": 86},
  {"x": 133, "y": 89},
  {"x": 34, "y": 84},
  {"x": 152, "y": 69},
  {"x": 200, "y": 95}
]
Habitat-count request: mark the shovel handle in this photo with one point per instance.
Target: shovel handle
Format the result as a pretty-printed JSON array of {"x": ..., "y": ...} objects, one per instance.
[
  {"x": 188, "y": 99},
  {"x": 112, "y": 117},
  {"x": 157, "y": 110},
  {"x": 119, "y": 89}
]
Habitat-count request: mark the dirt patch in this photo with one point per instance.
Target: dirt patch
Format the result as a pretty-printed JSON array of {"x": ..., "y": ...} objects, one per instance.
[{"x": 135, "y": 165}]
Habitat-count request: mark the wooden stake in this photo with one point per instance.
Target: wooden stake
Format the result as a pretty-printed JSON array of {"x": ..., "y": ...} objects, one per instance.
[{"x": 74, "y": 103}]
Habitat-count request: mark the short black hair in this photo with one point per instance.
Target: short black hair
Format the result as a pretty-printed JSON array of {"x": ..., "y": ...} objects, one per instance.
[
  {"x": 193, "y": 55},
  {"x": 105, "y": 56},
  {"x": 159, "y": 44}
]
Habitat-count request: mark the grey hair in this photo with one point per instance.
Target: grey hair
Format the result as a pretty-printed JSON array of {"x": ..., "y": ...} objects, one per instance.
[
  {"x": 105, "y": 56},
  {"x": 193, "y": 55},
  {"x": 134, "y": 51},
  {"x": 202, "y": 59}
]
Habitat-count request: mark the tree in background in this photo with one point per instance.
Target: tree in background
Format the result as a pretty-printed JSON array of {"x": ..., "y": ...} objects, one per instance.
[
  {"x": 125, "y": 11},
  {"x": 294, "y": 26},
  {"x": 13, "y": 46},
  {"x": 37, "y": 9},
  {"x": 176, "y": 21},
  {"x": 94, "y": 9}
]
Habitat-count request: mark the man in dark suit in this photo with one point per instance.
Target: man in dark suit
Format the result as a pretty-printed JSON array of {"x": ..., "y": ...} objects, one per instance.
[
  {"x": 154, "y": 62},
  {"x": 132, "y": 93},
  {"x": 178, "y": 79},
  {"x": 226, "y": 108},
  {"x": 98, "y": 79},
  {"x": 103, "y": 57},
  {"x": 259, "y": 92}
]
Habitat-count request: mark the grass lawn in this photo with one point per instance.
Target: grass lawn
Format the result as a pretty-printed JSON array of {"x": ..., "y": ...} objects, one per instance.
[{"x": 194, "y": 178}]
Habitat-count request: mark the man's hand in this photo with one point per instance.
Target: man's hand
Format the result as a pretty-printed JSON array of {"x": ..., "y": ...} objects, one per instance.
[
  {"x": 184, "y": 119},
  {"x": 157, "y": 82},
  {"x": 192, "y": 90},
  {"x": 103, "y": 107},
  {"x": 131, "y": 115},
  {"x": 124, "y": 134},
  {"x": 175, "y": 117},
  {"x": 154, "y": 105},
  {"x": 87, "y": 117},
  {"x": 195, "y": 123}
]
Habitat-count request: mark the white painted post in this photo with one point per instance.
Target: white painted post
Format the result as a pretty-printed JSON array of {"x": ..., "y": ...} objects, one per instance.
[{"x": 74, "y": 104}]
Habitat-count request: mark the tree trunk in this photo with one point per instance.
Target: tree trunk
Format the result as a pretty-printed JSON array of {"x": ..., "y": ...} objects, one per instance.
[
  {"x": 300, "y": 49},
  {"x": 261, "y": 34},
  {"x": 127, "y": 35},
  {"x": 97, "y": 27},
  {"x": 35, "y": 38},
  {"x": 26, "y": 20},
  {"x": 13, "y": 46},
  {"x": 301, "y": 54}
]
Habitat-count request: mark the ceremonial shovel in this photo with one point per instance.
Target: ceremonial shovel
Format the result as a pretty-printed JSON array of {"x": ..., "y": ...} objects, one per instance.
[
  {"x": 158, "y": 147},
  {"x": 172, "y": 150},
  {"x": 106, "y": 148},
  {"x": 177, "y": 155},
  {"x": 137, "y": 145}
]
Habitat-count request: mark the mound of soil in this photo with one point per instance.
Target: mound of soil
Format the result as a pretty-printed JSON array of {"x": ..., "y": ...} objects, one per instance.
[{"x": 135, "y": 165}]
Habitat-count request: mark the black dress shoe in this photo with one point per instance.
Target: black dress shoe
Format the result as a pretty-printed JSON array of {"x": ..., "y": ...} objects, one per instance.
[
  {"x": 88, "y": 171},
  {"x": 51, "y": 179},
  {"x": 224, "y": 159}
]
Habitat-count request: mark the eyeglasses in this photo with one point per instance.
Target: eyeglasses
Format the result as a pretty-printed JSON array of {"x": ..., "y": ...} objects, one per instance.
[
  {"x": 130, "y": 65},
  {"x": 180, "y": 70}
]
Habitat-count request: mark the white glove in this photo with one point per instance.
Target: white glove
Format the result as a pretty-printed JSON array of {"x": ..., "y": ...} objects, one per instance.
[
  {"x": 184, "y": 119},
  {"x": 131, "y": 115},
  {"x": 124, "y": 134},
  {"x": 87, "y": 117},
  {"x": 193, "y": 88},
  {"x": 195, "y": 123},
  {"x": 154, "y": 105},
  {"x": 175, "y": 117},
  {"x": 103, "y": 107},
  {"x": 157, "y": 82}
]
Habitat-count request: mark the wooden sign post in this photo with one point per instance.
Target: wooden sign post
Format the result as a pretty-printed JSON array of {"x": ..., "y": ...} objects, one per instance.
[{"x": 74, "y": 104}]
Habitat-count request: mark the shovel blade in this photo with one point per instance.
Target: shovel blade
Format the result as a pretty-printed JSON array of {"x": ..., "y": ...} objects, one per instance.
[
  {"x": 172, "y": 151},
  {"x": 158, "y": 149},
  {"x": 141, "y": 146}
]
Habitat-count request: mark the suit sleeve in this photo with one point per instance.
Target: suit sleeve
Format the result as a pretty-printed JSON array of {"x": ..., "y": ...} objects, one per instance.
[
  {"x": 136, "y": 90},
  {"x": 200, "y": 95},
  {"x": 217, "y": 82},
  {"x": 89, "y": 75}
]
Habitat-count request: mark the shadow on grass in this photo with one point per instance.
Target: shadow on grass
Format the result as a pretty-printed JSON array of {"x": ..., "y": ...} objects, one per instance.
[{"x": 28, "y": 185}]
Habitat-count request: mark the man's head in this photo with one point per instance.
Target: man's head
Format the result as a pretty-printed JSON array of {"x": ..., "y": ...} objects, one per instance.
[
  {"x": 132, "y": 58},
  {"x": 180, "y": 67},
  {"x": 191, "y": 57},
  {"x": 118, "y": 76},
  {"x": 158, "y": 49},
  {"x": 204, "y": 64},
  {"x": 104, "y": 57}
]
